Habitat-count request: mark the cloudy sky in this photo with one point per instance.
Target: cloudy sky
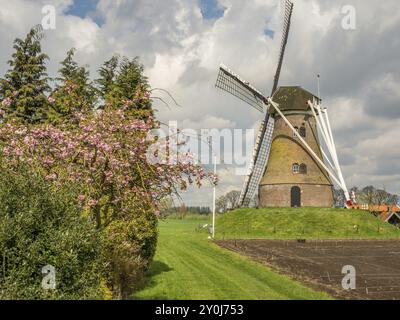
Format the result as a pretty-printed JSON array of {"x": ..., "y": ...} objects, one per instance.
[{"x": 182, "y": 42}]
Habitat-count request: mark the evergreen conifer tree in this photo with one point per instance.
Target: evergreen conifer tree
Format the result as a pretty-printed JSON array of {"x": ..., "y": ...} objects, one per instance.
[
  {"x": 74, "y": 91},
  {"x": 121, "y": 82},
  {"x": 24, "y": 87},
  {"x": 108, "y": 73}
]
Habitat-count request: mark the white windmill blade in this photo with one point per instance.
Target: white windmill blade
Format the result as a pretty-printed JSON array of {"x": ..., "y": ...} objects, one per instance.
[
  {"x": 324, "y": 135},
  {"x": 336, "y": 159},
  {"x": 324, "y": 127},
  {"x": 259, "y": 163},
  {"x": 241, "y": 89},
  {"x": 319, "y": 125}
]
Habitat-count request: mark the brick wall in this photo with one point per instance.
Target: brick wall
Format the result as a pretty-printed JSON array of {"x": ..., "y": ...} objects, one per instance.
[
  {"x": 312, "y": 195},
  {"x": 286, "y": 150}
]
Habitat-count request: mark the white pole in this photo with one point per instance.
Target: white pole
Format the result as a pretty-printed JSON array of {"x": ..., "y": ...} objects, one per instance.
[{"x": 214, "y": 197}]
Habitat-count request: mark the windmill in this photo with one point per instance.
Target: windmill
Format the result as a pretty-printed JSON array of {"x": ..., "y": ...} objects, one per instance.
[{"x": 290, "y": 166}]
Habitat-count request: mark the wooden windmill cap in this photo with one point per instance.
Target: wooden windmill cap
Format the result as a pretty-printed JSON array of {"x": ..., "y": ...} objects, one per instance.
[{"x": 293, "y": 98}]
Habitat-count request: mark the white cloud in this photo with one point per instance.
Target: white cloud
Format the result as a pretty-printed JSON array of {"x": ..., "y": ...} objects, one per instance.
[{"x": 83, "y": 34}]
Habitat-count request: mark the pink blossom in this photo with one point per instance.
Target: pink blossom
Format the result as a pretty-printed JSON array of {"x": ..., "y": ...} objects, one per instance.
[
  {"x": 105, "y": 154},
  {"x": 128, "y": 103},
  {"x": 105, "y": 147},
  {"x": 6, "y": 102},
  {"x": 109, "y": 175},
  {"x": 92, "y": 203},
  {"x": 51, "y": 177},
  {"x": 48, "y": 162}
]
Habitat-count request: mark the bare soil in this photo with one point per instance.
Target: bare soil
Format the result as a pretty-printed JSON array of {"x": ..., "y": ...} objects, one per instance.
[{"x": 319, "y": 264}]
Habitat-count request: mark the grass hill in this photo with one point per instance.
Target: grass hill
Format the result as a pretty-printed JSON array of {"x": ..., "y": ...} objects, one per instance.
[{"x": 304, "y": 223}]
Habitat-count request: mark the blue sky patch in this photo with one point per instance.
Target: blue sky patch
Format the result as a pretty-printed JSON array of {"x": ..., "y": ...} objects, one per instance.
[
  {"x": 211, "y": 9},
  {"x": 269, "y": 33},
  {"x": 83, "y": 8}
]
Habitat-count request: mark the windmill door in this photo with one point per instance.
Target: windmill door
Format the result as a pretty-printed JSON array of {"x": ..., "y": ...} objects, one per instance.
[{"x": 295, "y": 197}]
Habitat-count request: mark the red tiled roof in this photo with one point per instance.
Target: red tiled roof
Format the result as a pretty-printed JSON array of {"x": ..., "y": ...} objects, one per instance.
[{"x": 378, "y": 208}]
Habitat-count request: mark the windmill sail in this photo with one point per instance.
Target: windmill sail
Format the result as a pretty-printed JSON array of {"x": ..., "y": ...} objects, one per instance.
[
  {"x": 261, "y": 150},
  {"x": 285, "y": 36},
  {"x": 258, "y": 164},
  {"x": 233, "y": 84}
]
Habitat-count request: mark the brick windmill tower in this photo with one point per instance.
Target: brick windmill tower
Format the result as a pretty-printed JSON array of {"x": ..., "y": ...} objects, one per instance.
[{"x": 290, "y": 165}]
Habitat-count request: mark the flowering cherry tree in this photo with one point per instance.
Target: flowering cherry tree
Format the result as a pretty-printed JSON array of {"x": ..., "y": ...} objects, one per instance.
[{"x": 106, "y": 155}]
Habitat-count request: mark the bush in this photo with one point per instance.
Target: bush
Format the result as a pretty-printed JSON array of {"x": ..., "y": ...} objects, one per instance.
[
  {"x": 42, "y": 226},
  {"x": 128, "y": 252}
]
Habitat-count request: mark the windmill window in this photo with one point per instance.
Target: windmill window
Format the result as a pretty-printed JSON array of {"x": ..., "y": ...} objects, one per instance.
[
  {"x": 296, "y": 168},
  {"x": 302, "y": 132},
  {"x": 303, "y": 168}
]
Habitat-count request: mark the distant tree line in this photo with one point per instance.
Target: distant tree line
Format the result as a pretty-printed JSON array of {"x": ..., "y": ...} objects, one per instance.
[
  {"x": 366, "y": 195},
  {"x": 188, "y": 210},
  {"x": 228, "y": 201}
]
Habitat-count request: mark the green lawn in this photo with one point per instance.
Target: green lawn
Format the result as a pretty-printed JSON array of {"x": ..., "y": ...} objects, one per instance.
[
  {"x": 307, "y": 223},
  {"x": 188, "y": 266}
]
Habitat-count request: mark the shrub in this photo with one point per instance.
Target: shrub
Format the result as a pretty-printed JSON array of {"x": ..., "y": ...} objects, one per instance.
[
  {"x": 41, "y": 226},
  {"x": 128, "y": 251}
]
